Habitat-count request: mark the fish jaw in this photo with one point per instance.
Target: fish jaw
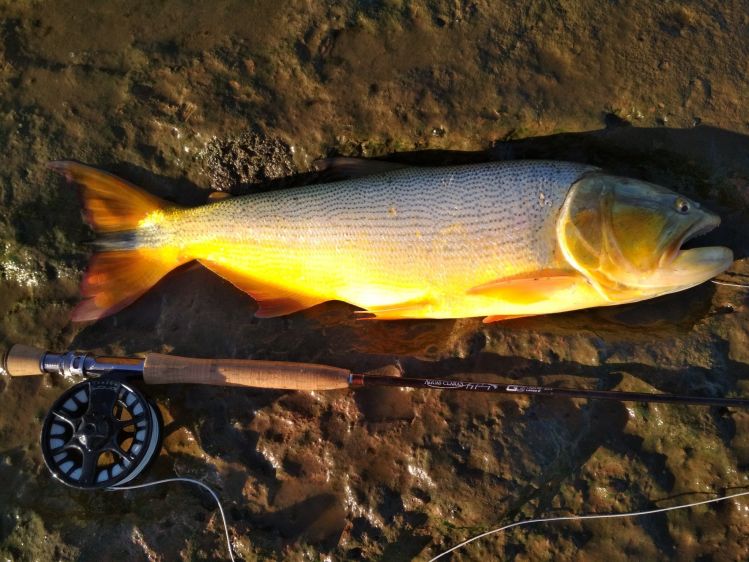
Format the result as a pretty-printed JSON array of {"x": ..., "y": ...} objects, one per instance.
[
  {"x": 681, "y": 269},
  {"x": 705, "y": 222},
  {"x": 691, "y": 267}
]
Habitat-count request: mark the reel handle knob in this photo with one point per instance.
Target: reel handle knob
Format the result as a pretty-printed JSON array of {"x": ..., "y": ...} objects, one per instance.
[
  {"x": 170, "y": 369},
  {"x": 23, "y": 361}
]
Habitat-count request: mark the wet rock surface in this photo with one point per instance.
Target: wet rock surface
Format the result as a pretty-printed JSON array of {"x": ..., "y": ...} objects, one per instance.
[
  {"x": 235, "y": 163},
  {"x": 236, "y": 96}
]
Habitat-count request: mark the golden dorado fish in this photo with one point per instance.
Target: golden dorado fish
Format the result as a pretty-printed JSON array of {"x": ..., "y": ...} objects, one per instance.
[{"x": 497, "y": 240}]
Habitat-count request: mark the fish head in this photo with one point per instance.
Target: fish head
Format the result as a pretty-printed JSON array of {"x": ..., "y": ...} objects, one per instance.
[{"x": 626, "y": 237}]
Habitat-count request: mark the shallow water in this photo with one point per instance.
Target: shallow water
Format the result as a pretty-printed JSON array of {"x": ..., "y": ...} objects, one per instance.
[{"x": 186, "y": 96}]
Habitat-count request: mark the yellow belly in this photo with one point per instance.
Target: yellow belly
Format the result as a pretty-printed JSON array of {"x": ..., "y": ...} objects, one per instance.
[{"x": 302, "y": 280}]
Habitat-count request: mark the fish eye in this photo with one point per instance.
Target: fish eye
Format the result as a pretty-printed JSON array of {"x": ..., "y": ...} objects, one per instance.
[{"x": 682, "y": 205}]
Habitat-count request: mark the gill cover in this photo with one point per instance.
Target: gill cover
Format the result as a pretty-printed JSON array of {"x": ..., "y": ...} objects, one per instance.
[{"x": 625, "y": 236}]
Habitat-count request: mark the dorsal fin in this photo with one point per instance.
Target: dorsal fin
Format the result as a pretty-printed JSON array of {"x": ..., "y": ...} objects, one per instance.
[{"x": 343, "y": 168}]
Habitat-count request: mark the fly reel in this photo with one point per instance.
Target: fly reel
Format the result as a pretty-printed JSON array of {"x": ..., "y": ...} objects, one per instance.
[{"x": 100, "y": 433}]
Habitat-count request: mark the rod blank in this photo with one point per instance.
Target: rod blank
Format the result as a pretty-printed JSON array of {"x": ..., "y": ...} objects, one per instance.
[{"x": 547, "y": 391}]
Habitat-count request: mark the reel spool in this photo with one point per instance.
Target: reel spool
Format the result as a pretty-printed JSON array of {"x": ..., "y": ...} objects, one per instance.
[{"x": 99, "y": 434}]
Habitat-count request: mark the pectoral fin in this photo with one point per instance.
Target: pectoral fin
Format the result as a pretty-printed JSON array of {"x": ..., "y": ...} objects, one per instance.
[
  {"x": 528, "y": 288},
  {"x": 272, "y": 300}
]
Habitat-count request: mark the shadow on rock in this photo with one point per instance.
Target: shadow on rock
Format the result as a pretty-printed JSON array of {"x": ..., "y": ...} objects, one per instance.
[{"x": 319, "y": 519}]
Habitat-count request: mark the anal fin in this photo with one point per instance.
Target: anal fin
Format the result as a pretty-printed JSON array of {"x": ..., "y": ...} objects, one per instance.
[
  {"x": 272, "y": 300},
  {"x": 501, "y": 317},
  {"x": 410, "y": 309}
]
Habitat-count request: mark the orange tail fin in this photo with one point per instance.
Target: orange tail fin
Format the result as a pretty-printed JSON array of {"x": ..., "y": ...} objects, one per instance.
[{"x": 125, "y": 270}]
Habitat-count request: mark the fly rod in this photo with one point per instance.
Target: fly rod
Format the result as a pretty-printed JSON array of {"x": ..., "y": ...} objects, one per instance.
[
  {"x": 157, "y": 368},
  {"x": 103, "y": 432}
]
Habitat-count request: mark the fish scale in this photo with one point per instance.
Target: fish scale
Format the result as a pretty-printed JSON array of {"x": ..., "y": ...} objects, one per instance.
[{"x": 412, "y": 233}]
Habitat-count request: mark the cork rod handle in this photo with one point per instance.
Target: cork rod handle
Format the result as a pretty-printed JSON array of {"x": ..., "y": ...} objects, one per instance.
[
  {"x": 170, "y": 369},
  {"x": 23, "y": 361}
]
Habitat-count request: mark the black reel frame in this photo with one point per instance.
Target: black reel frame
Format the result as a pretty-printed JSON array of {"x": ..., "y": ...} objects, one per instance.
[{"x": 101, "y": 433}]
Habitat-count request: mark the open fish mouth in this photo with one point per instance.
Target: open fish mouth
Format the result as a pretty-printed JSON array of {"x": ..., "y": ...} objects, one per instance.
[{"x": 687, "y": 266}]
